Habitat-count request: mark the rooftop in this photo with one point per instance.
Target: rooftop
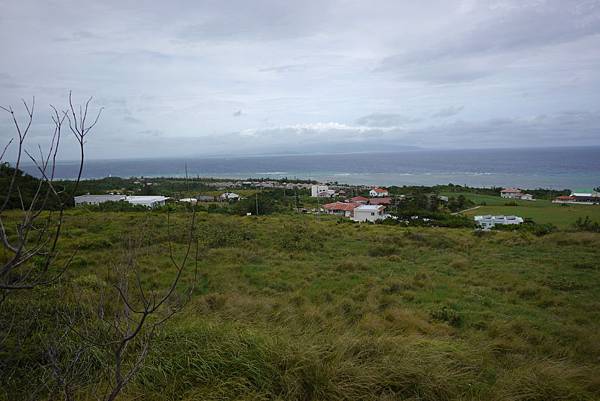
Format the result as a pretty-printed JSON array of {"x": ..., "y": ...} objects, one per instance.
[
  {"x": 341, "y": 206},
  {"x": 370, "y": 208}
]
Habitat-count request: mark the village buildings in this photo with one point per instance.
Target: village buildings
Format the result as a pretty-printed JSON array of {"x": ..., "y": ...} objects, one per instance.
[{"x": 515, "y": 193}]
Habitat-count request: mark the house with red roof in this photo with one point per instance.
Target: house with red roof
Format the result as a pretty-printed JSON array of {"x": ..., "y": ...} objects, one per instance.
[
  {"x": 359, "y": 199},
  {"x": 345, "y": 209},
  {"x": 378, "y": 193},
  {"x": 380, "y": 201},
  {"x": 515, "y": 193}
]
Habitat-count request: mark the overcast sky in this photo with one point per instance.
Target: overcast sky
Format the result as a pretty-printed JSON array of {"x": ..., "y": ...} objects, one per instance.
[{"x": 185, "y": 78}]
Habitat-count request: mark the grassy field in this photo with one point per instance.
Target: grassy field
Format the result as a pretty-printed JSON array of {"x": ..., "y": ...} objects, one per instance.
[
  {"x": 541, "y": 211},
  {"x": 298, "y": 308}
]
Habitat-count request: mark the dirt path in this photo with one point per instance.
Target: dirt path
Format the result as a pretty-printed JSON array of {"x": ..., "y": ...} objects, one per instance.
[{"x": 466, "y": 210}]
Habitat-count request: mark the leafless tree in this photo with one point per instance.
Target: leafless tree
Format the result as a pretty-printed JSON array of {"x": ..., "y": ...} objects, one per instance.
[
  {"x": 37, "y": 232},
  {"x": 124, "y": 318}
]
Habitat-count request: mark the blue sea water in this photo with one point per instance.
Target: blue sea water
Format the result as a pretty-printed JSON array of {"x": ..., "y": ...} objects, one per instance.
[{"x": 526, "y": 168}]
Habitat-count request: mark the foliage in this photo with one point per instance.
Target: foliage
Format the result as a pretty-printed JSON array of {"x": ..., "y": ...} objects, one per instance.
[
  {"x": 587, "y": 224},
  {"x": 27, "y": 185}
]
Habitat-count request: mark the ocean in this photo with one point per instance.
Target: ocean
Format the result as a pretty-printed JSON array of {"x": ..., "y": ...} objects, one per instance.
[{"x": 557, "y": 168}]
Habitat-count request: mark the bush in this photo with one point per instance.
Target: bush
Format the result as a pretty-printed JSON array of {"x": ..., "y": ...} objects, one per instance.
[
  {"x": 587, "y": 225},
  {"x": 383, "y": 250},
  {"x": 300, "y": 237},
  {"x": 448, "y": 315}
]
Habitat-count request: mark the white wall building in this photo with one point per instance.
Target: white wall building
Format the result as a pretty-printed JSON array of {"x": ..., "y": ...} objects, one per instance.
[
  {"x": 488, "y": 221},
  {"x": 97, "y": 199},
  {"x": 369, "y": 213},
  {"x": 515, "y": 193},
  {"x": 321, "y": 191},
  {"x": 378, "y": 193},
  {"x": 148, "y": 201},
  {"x": 229, "y": 196}
]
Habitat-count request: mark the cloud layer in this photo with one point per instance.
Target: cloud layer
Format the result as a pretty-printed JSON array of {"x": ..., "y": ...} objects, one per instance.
[{"x": 237, "y": 77}]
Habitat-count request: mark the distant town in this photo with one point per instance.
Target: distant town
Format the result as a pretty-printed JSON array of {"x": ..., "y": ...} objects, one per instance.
[{"x": 355, "y": 203}]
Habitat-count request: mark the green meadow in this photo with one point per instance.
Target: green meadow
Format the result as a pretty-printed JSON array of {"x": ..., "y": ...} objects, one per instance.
[
  {"x": 541, "y": 211},
  {"x": 295, "y": 307}
]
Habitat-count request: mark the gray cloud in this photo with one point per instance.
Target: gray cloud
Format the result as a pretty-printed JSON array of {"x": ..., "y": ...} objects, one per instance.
[
  {"x": 256, "y": 20},
  {"x": 131, "y": 120},
  {"x": 495, "y": 39},
  {"x": 284, "y": 68},
  {"x": 448, "y": 112},
  {"x": 385, "y": 120},
  {"x": 308, "y": 75}
]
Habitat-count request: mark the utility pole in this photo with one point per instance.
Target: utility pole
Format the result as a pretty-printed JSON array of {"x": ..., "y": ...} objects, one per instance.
[{"x": 256, "y": 203}]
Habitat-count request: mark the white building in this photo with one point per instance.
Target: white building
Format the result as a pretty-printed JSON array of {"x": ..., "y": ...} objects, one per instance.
[
  {"x": 369, "y": 213},
  {"x": 582, "y": 198},
  {"x": 378, "y": 193},
  {"x": 97, "y": 199},
  {"x": 148, "y": 201},
  {"x": 488, "y": 221},
  {"x": 192, "y": 201},
  {"x": 321, "y": 191},
  {"x": 515, "y": 193},
  {"x": 229, "y": 196}
]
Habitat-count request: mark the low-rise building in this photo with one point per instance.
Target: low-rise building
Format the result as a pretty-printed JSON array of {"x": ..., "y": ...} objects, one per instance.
[
  {"x": 380, "y": 201},
  {"x": 378, "y": 192},
  {"x": 321, "y": 191},
  {"x": 97, "y": 199},
  {"x": 510, "y": 193},
  {"x": 515, "y": 193},
  {"x": 582, "y": 198},
  {"x": 369, "y": 213},
  {"x": 205, "y": 198},
  {"x": 341, "y": 208},
  {"x": 229, "y": 196},
  {"x": 148, "y": 201},
  {"x": 359, "y": 199},
  {"x": 488, "y": 221}
]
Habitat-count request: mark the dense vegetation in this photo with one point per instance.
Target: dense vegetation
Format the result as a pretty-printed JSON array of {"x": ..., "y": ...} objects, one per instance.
[
  {"x": 297, "y": 307},
  {"x": 28, "y": 187}
]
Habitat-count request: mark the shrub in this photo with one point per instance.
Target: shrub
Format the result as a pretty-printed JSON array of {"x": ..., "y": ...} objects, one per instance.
[
  {"x": 300, "y": 237},
  {"x": 448, "y": 315},
  {"x": 587, "y": 225},
  {"x": 383, "y": 250}
]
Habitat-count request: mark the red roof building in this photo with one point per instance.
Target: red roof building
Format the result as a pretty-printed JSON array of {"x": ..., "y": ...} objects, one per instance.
[
  {"x": 343, "y": 208},
  {"x": 359, "y": 199},
  {"x": 380, "y": 201}
]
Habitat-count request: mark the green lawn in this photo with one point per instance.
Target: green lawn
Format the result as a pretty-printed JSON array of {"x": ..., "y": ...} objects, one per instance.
[{"x": 541, "y": 211}]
